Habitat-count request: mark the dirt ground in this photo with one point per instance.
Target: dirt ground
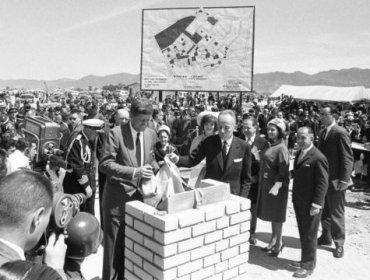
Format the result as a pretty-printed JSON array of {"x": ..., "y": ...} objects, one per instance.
[{"x": 353, "y": 266}]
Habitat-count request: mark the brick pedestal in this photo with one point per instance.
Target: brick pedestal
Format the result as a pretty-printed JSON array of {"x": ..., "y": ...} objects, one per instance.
[{"x": 210, "y": 242}]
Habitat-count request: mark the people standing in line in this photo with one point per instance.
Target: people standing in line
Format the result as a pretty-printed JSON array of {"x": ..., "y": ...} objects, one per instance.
[
  {"x": 272, "y": 197},
  {"x": 310, "y": 185},
  {"x": 228, "y": 158},
  {"x": 334, "y": 143},
  {"x": 127, "y": 158},
  {"x": 258, "y": 145}
]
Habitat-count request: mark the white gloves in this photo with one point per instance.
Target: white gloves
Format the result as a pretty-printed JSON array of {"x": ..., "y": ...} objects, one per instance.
[{"x": 275, "y": 188}]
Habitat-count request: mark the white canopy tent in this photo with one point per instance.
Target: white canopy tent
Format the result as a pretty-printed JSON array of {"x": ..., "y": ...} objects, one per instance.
[
  {"x": 368, "y": 93},
  {"x": 324, "y": 93}
]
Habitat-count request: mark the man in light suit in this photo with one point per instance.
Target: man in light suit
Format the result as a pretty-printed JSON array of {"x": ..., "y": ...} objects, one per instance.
[
  {"x": 127, "y": 159},
  {"x": 335, "y": 144},
  {"x": 258, "y": 147},
  {"x": 310, "y": 185},
  {"x": 228, "y": 158}
]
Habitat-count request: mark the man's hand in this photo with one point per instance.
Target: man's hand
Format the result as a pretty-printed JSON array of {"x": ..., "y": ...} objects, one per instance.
[
  {"x": 55, "y": 251},
  {"x": 173, "y": 157},
  {"x": 89, "y": 191},
  {"x": 342, "y": 186},
  {"x": 256, "y": 153},
  {"x": 314, "y": 211},
  {"x": 144, "y": 172}
]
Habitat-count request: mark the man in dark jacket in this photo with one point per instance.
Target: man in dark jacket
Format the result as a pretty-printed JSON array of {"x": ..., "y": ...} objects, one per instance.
[
  {"x": 310, "y": 185},
  {"x": 228, "y": 158}
]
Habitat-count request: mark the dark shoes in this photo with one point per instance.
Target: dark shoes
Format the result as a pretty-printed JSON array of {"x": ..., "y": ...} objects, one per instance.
[
  {"x": 323, "y": 240},
  {"x": 296, "y": 265},
  {"x": 252, "y": 239},
  {"x": 275, "y": 252},
  {"x": 302, "y": 273},
  {"x": 338, "y": 252}
]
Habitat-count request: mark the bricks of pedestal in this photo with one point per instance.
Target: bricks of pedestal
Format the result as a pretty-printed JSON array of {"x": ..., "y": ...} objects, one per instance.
[{"x": 210, "y": 242}]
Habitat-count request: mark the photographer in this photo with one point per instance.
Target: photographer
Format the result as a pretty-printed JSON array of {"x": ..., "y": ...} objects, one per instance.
[{"x": 26, "y": 199}]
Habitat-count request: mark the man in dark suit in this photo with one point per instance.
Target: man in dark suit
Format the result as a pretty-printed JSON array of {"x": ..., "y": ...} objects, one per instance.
[
  {"x": 228, "y": 158},
  {"x": 263, "y": 118},
  {"x": 335, "y": 144},
  {"x": 310, "y": 185},
  {"x": 258, "y": 147},
  {"x": 126, "y": 159}
]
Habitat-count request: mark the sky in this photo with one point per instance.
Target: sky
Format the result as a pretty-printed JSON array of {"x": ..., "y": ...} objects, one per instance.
[{"x": 52, "y": 39}]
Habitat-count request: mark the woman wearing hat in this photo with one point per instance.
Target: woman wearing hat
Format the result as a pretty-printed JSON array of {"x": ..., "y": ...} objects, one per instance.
[
  {"x": 163, "y": 146},
  {"x": 273, "y": 185}
]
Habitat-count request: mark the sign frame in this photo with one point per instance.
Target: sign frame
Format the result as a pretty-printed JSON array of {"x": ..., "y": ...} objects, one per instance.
[{"x": 197, "y": 90}]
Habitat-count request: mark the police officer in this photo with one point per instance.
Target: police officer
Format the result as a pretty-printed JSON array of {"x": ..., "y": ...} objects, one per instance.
[{"x": 78, "y": 159}]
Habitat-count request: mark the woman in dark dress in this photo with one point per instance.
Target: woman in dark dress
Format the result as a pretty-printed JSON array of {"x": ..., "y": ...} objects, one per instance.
[{"x": 273, "y": 185}]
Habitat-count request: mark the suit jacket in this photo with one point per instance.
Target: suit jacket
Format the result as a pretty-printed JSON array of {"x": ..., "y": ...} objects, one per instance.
[
  {"x": 237, "y": 170},
  {"x": 310, "y": 179},
  {"x": 7, "y": 254},
  {"x": 337, "y": 149},
  {"x": 262, "y": 145},
  {"x": 118, "y": 160}
]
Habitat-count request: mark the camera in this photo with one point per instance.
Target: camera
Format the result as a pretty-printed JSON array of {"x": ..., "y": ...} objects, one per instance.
[{"x": 43, "y": 136}]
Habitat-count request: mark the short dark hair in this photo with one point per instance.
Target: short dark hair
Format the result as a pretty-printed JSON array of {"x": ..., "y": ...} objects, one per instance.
[
  {"x": 21, "y": 192},
  {"x": 253, "y": 119},
  {"x": 141, "y": 106},
  {"x": 155, "y": 113},
  {"x": 21, "y": 144},
  {"x": 208, "y": 119}
]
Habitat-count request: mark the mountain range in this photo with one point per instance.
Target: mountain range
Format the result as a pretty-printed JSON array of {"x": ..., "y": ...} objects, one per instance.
[{"x": 263, "y": 82}]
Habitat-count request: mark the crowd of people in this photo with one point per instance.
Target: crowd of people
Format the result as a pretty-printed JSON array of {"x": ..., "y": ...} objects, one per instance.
[{"x": 247, "y": 143}]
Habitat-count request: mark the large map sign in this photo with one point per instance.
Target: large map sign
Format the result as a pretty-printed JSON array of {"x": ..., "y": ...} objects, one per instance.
[{"x": 197, "y": 49}]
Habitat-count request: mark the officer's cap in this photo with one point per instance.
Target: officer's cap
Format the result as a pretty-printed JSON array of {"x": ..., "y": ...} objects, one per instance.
[{"x": 93, "y": 123}]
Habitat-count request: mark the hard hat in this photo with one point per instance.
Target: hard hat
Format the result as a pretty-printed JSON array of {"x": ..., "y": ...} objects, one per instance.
[{"x": 84, "y": 236}]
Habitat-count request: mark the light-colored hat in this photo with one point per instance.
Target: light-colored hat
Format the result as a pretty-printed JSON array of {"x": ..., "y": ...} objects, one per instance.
[
  {"x": 93, "y": 123},
  {"x": 204, "y": 113},
  {"x": 164, "y": 127},
  {"x": 279, "y": 123}
]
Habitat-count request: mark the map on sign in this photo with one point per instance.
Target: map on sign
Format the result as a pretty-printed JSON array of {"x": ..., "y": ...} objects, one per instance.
[{"x": 206, "y": 49}]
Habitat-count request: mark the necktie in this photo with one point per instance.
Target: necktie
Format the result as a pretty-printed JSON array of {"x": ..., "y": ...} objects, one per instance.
[
  {"x": 224, "y": 152},
  {"x": 138, "y": 149},
  {"x": 301, "y": 155},
  {"x": 325, "y": 131},
  {"x": 250, "y": 142}
]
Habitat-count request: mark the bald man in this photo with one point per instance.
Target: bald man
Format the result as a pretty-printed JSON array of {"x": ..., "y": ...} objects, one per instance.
[{"x": 122, "y": 116}]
